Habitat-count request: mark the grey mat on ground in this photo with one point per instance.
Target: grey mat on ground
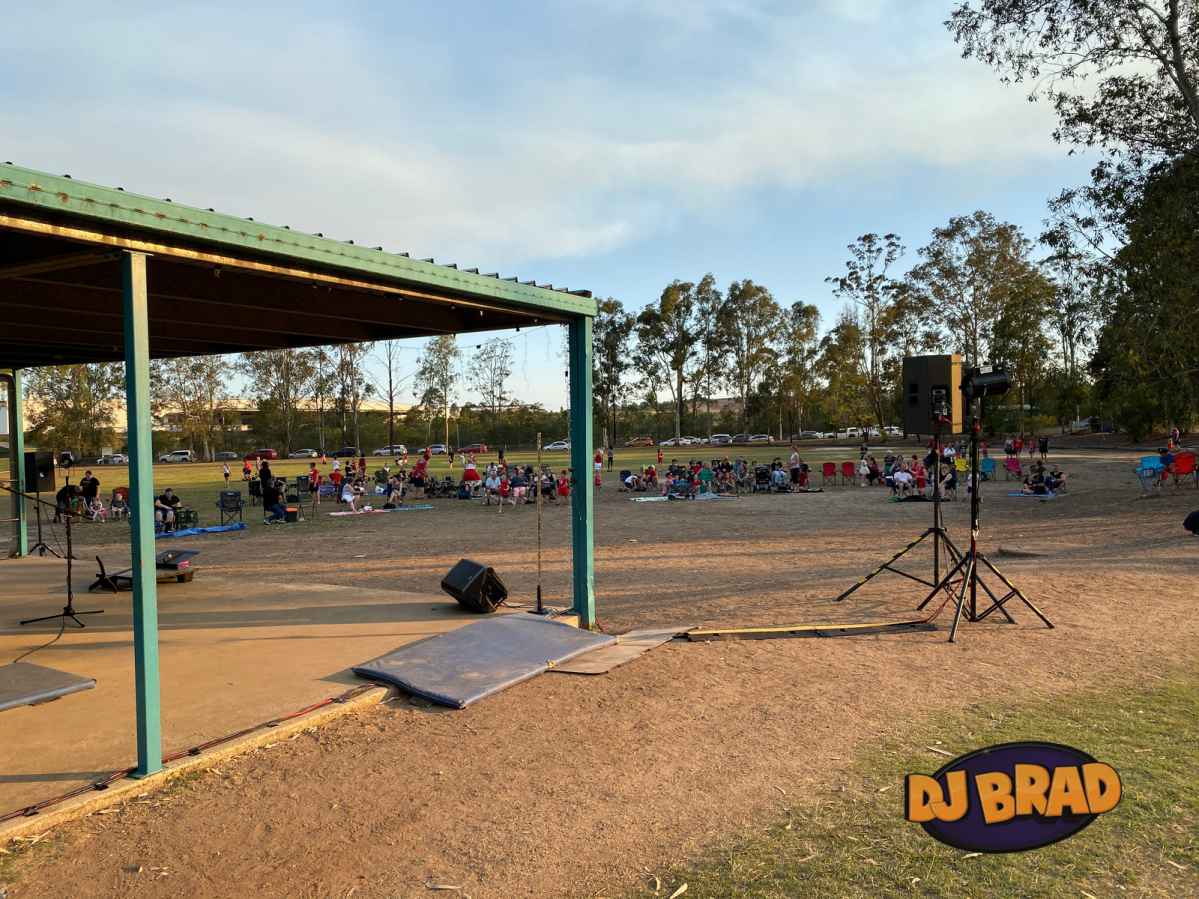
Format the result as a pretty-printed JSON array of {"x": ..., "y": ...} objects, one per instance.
[
  {"x": 626, "y": 648},
  {"x": 22, "y": 683},
  {"x": 465, "y": 665}
]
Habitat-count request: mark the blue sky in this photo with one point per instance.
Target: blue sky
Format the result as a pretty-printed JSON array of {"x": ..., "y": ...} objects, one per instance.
[{"x": 610, "y": 145}]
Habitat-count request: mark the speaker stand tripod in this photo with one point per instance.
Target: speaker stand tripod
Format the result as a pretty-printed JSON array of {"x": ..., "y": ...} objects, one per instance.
[
  {"x": 937, "y": 531},
  {"x": 69, "y": 612},
  {"x": 965, "y": 577},
  {"x": 41, "y": 547}
]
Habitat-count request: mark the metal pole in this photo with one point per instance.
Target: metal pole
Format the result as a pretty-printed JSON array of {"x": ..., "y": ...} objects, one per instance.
[
  {"x": 537, "y": 496},
  {"x": 975, "y": 501},
  {"x": 16, "y": 442},
  {"x": 581, "y": 512},
  {"x": 141, "y": 503}
]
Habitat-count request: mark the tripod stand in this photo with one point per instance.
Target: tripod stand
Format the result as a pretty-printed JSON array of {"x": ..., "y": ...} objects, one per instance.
[
  {"x": 965, "y": 577},
  {"x": 41, "y": 547},
  {"x": 68, "y": 611},
  {"x": 936, "y": 531}
]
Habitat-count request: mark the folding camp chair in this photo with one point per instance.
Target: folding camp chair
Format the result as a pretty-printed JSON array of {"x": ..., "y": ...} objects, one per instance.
[
  {"x": 230, "y": 505},
  {"x": 118, "y": 507},
  {"x": 1150, "y": 471},
  {"x": 1184, "y": 466},
  {"x": 255, "y": 492},
  {"x": 849, "y": 472},
  {"x": 986, "y": 469},
  {"x": 1011, "y": 469},
  {"x": 828, "y": 470}
]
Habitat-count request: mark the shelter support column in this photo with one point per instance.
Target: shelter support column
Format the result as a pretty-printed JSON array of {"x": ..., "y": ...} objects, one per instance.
[
  {"x": 582, "y": 513},
  {"x": 141, "y": 501},
  {"x": 16, "y": 446}
]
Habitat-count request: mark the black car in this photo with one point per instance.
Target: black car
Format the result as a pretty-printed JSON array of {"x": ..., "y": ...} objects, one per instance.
[{"x": 351, "y": 452}]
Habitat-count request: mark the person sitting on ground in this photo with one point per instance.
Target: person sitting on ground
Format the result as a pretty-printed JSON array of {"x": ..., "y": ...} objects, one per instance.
[
  {"x": 651, "y": 476},
  {"x": 165, "y": 506},
  {"x": 778, "y": 478},
  {"x": 464, "y": 490},
  {"x": 632, "y": 483},
  {"x": 706, "y": 476},
  {"x": 873, "y": 474},
  {"x": 272, "y": 501},
  {"x": 350, "y": 491},
  {"x": 1055, "y": 479},
  {"x": 491, "y": 485}
]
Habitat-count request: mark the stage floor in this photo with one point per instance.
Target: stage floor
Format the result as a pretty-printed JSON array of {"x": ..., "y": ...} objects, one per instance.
[{"x": 234, "y": 652}]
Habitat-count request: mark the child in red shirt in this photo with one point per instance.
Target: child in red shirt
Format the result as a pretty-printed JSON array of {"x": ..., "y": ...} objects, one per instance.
[
  {"x": 335, "y": 478},
  {"x": 505, "y": 490},
  {"x": 564, "y": 487},
  {"x": 314, "y": 482}
]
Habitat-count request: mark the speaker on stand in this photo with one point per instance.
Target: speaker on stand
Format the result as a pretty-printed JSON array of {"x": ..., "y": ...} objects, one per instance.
[{"x": 39, "y": 479}]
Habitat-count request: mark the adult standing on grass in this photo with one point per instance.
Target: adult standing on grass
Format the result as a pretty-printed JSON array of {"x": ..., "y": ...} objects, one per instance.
[
  {"x": 796, "y": 466},
  {"x": 660, "y": 457},
  {"x": 611, "y": 458},
  {"x": 1043, "y": 447},
  {"x": 246, "y": 471},
  {"x": 90, "y": 485},
  {"x": 314, "y": 483},
  {"x": 225, "y": 471}
]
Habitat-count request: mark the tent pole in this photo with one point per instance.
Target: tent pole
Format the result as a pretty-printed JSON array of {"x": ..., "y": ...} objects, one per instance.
[
  {"x": 16, "y": 442},
  {"x": 141, "y": 502},
  {"x": 582, "y": 517}
]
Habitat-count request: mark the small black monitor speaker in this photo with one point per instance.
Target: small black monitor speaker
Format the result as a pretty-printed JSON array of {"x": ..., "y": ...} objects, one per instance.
[
  {"x": 39, "y": 472},
  {"x": 921, "y": 376},
  {"x": 476, "y": 587}
]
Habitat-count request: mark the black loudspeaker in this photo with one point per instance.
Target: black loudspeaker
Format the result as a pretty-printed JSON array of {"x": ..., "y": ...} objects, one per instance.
[
  {"x": 39, "y": 472},
  {"x": 924, "y": 375},
  {"x": 476, "y": 587}
]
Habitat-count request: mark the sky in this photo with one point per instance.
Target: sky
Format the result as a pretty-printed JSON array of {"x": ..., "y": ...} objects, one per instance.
[{"x": 613, "y": 146}]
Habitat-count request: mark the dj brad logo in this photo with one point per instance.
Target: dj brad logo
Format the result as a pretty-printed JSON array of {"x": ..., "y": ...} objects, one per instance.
[{"x": 1011, "y": 797}]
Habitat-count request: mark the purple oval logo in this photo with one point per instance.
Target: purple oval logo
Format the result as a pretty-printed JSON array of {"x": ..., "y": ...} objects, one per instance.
[{"x": 1012, "y": 797}]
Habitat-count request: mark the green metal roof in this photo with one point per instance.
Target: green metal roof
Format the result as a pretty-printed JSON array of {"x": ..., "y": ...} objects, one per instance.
[{"x": 62, "y": 194}]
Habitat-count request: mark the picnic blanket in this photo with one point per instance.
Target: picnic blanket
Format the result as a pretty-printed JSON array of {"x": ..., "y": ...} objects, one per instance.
[
  {"x": 213, "y": 529},
  {"x": 1035, "y": 495},
  {"x": 418, "y": 507}
]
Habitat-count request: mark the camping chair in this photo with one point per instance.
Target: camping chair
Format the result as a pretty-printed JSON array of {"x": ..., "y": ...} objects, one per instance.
[
  {"x": 230, "y": 505},
  {"x": 961, "y": 465},
  {"x": 186, "y": 518},
  {"x": 1184, "y": 464},
  {"x": 761, "y": 479},
  {"x": 1011, "y": 469},
  {"x": 849, "y": 472},
  {"x": 118, "y": 507},
  {"x": 255, "y": 492},
  {"x": 1149, "y": 472},
  {"x": 986, "y": 469},
  {"x": 828, "y": 470},
  {"x": 303, "y": 486}
]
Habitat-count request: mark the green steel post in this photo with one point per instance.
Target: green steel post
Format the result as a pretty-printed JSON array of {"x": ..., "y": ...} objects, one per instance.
[
  {"x": 582, "y": 518},
  {"x": 17, "y": 445},
  {"x": 141, "y": 501}
]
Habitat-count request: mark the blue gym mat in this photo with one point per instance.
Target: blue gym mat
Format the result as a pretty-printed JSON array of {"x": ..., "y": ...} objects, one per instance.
[
  {"x": 193, "y": 532},
  {"x": 465, "y": 665}
]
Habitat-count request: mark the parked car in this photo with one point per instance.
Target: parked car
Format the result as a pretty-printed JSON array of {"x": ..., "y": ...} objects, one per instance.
[
  {"x": 113, "y": 459},
  {"x": 475, "y": 448},
  {"x": 268, "y": 454},
  {"x": 640, "y": 441},
  {"x": 740, "y": 438},
  {"x": 177, "y": 456},
  {"x": 437, "y": 449},
  {"x": 893, "y": 431},
  {"x": 557, "y": 445},
  {"x": 394, "y": 449},
  {"x": 809, "y": 435},
  {"x": 348, "y": 452},
  {"x": 225, "y": 456},
  {"x": 761, "y": 438},
  {"x": 303, "y": 454},
  {"x": 675, "y": 441},
  {"x": 720, "y": 439}
]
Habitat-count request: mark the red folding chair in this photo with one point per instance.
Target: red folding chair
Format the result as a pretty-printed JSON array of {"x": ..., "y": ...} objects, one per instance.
[
  {"x": 849, "y": 472},
  {"x": 828, "y": 470},
  {"x": 1184, "y": 465}
]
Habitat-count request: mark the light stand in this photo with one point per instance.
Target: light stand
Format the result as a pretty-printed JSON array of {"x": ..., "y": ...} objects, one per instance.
[
  {"x": 965, "y": 575},
  {"x": 68, "y": 611},
  {"x": 537, "y": 493},
  {"x": 936, "y": 531}
]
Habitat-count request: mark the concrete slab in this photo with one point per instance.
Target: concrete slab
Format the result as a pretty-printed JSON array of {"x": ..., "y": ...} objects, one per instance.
[{"x": 233, "y": 653}]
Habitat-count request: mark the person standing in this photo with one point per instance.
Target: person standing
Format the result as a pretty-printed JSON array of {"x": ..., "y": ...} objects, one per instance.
[
  {"x": 246, "y": 470},
  {"x": 225, "y": 471},
  {"x": 611, "y": 458},
  {"x": 599, "y": 467},
  {"x": 796, "y": 466},
  {"x": 314, "y": 483},
  {"x": 90, "y": 485},
  {"x": 660, "y": 457},
  {"x": 1043, "y": 447}
]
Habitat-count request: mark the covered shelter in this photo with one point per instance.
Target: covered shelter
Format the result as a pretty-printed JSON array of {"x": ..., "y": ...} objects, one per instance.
[{"x": 98, "y": 274}]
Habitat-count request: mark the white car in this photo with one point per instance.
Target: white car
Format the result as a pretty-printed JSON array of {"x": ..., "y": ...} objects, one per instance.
[
  {"x": 675, "y": 441},
  {"x": 437, "y": 449},
  {"x": 177, "y": 456},
  {"x": 303, "y": 454},
  {"x": 760, "y": 438},
  {"x": 114, "y": 459},
  {"x": 557, "y": 446},
  {"x": 396, "y": 449}
]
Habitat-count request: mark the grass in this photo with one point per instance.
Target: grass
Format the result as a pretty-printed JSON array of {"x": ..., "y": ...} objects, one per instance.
[
  {"x": 853, "y": 841},
  {"x": 198, "y": 483}
]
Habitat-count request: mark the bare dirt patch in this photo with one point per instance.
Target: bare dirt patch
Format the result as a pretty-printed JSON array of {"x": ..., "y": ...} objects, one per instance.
[{"x": 571, "y": 786}]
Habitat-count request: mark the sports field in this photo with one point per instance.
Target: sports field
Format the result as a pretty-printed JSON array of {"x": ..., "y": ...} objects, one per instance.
[{"x": 725, "y": 765}]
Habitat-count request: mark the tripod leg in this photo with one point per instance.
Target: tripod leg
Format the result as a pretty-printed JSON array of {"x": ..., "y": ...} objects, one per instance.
[
  {"x": 957, "y": 615},
  {"x": 891, "y": 561},
  {"x": 996, "y": 602},
  {"x": 1016, "y": 590},
  {"x": 943, "y": 585}
]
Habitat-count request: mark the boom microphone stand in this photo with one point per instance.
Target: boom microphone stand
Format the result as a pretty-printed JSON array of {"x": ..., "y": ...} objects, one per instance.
[
  {"x": 936, "y": 531},
  {"x": 965, "y": 575}
]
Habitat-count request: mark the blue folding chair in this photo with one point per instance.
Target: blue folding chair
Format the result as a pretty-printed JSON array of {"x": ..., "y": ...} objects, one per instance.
[{"x": 1149, "y": 473}]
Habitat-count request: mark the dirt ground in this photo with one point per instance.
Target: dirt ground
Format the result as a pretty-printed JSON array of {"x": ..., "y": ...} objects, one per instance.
[{"x": 574, "y": 786}]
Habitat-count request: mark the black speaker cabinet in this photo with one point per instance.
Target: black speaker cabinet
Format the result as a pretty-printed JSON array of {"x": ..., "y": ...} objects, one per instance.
[
  {"x": 921, "y": 376},
  {"x": 476, "y": 587},
  {"x": 39, "y": 472}
]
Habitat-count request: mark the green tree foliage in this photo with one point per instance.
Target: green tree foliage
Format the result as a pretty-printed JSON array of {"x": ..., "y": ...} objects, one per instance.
[
  {"x": 800, "y": 354},
  {"x": 195, "y": 390},
  {"x": 488, "y": 374},
  {"x": 1019, "y": 343},
  {"x": 882, "y": 304},
  {"x": 611, "y": 332},
  {"x": 750, "y": 324},
  {"x": 71, "y": 406},
  {"x": 437, "y": 375},
  {"x": 840, "y": 365},
  {"x": 279, "y": 380},
  {"x": 667, "y": 333}
]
